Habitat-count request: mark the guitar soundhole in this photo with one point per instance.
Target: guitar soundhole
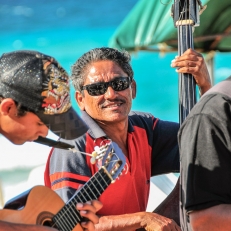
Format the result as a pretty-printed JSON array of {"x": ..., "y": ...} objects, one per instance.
[{"x": 45, "y": 219}]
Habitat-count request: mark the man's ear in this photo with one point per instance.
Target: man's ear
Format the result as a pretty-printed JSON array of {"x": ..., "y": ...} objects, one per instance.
[
  {"x": 133, "y": 85},
  {"x": 7, "y": 106},
  {"x": 80, "y": 100}
]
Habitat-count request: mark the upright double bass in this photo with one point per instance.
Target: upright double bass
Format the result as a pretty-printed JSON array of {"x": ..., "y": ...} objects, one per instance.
[{"x": 185, "y": 15}]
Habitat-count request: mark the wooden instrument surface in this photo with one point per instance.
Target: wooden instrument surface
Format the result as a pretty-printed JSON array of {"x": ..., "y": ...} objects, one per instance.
[{"x": 41, "y": 205}]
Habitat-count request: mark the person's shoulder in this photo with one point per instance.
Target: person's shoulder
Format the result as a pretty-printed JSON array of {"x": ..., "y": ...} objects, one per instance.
[
  {"x": 216, "y": 98},
  {"x": 211, "y": 109},
  {"x": 149, "y": 117},
  {"x": 141, "y": 119},
  {"x": 140, "y": 114},
  {"x": 214, "y": 105}
]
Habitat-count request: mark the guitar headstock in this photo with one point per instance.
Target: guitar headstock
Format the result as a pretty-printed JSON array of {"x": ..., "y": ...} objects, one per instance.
[{"x": 111, "y": 158}]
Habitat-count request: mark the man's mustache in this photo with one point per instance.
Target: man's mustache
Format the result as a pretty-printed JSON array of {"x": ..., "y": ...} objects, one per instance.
[{"x": 107, "y": 102}]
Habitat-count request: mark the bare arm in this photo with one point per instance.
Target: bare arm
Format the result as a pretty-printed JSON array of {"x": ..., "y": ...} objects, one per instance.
[
  {"x": 213, "y": 219},
  {"x": 6, "y": 226},
  {"x": 193, "y": 63},
  {"x": 128, "y": 222}
]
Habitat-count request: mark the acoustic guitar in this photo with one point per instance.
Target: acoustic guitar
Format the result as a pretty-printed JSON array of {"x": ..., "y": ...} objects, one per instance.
[{"x": 42, "y": 206}]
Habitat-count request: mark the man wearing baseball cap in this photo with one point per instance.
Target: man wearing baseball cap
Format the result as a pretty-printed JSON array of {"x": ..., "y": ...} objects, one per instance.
[{"x": 35, "y": 97}]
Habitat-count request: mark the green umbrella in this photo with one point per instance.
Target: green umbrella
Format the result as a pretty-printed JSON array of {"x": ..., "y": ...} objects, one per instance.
[{"x": 149, "y": 26}]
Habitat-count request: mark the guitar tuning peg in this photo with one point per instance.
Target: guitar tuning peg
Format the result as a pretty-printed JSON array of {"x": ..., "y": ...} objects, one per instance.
[
  {"x": 93, "y": 160},
  {"x": 97, "y": 148},
  {"x": 94, "y": 154}
]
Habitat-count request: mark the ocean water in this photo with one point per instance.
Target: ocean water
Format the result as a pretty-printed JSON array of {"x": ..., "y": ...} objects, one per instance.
[{"x": 65, "y": 30}]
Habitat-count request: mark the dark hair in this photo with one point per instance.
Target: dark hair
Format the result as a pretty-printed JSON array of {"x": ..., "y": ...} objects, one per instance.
[{"x": 122, "y": 58}]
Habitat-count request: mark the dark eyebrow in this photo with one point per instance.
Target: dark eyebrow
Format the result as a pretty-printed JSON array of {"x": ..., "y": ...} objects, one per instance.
[{"x": 117, "y": 77}]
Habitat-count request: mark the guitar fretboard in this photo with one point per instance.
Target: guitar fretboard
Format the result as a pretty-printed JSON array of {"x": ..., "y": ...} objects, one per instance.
[{"x": 68, "y": 217}]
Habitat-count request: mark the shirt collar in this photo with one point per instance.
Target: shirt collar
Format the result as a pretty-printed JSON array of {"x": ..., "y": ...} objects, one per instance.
[{"x": 95, "y": 130}]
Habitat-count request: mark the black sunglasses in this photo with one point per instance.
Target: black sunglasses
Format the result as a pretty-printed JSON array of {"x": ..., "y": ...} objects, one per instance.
[{"x": 117, "y": 84}]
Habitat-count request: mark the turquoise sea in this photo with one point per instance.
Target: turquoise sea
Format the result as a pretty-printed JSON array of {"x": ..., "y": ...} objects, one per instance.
[{"x": 67, "y": 29}]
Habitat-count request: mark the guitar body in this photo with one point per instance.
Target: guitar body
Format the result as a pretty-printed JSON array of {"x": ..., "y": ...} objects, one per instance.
[{"x": 41, "y": 205}]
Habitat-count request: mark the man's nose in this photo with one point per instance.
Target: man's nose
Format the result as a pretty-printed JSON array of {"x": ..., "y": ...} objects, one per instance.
[{"x": 110, "y": 93}]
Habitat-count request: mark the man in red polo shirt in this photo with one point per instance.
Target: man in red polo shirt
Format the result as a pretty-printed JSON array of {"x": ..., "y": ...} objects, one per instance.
[{"x": 105, "y": 87}]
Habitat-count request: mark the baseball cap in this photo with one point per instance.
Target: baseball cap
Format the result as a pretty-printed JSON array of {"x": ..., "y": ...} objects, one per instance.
[{"x": 38, "y": 82}]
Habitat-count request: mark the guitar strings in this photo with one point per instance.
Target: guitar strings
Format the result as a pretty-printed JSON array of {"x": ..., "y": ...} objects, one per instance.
[
  {"x": 186, "y": 81},
  {"x": 69, "y": 209}
]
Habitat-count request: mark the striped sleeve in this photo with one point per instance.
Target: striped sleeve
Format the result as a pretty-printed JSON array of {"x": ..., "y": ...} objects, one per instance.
[{"x": 66, "y": 172}]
